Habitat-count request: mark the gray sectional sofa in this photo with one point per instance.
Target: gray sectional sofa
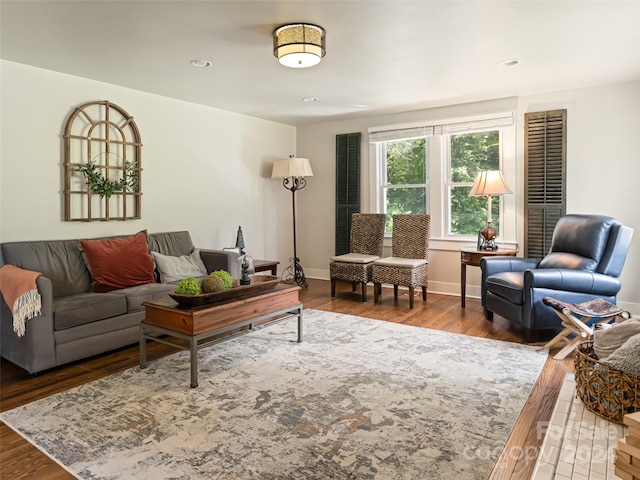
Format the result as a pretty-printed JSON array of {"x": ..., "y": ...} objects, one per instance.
[{"x": 76, "y": 322}]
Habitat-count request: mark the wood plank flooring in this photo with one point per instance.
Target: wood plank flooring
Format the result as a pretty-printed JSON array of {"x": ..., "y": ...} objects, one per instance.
[{"x": 19, "y": 460}]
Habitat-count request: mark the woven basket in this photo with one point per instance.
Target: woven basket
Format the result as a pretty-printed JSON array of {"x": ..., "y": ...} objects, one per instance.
[{"x": 605, "y": 391}]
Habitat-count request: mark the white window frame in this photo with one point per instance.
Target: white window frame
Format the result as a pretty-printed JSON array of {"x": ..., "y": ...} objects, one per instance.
[
  {"x": 382, "y": 185},
  {"x": 438, "y": 171},
  {"x": 448, "y": 184}
]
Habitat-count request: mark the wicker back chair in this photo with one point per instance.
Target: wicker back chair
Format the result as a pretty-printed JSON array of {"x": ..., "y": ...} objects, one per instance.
[
  {"x": 365, "y": 246},
  {"x": 408, "y": 265}
]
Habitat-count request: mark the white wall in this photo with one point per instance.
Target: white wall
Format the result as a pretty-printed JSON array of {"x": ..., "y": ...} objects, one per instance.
[
  {"x": 207, "y": 170},
  {"x": 204, "y": 170},
  {"x": 603, "y": 168}
]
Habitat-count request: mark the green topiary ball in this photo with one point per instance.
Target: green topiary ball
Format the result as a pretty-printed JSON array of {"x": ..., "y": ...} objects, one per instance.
[
  {"x": 212, "y": 283},
  {"x": 225, "y": 276},
  {"x": 188, "y": 286}
]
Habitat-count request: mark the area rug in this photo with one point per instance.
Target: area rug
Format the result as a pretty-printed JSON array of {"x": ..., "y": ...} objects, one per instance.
[{"x": 358, "y": 399}]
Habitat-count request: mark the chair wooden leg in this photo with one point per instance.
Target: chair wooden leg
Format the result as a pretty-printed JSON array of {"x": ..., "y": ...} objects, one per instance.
[
  {"x": 424, "y": 294},
  {"x": 364, "y": 292},
  {"x": 376, "y": 292},
  {"x": 395, "y": 292},
  {"x": 488, "y": 314},
  {"x": 333, "y": 288},
  {"x": 411, "y": 292},
  {"x": 353, "y": 286}
]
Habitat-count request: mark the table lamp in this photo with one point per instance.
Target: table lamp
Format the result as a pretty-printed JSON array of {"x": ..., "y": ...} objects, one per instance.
[{"x": 489, "y": 183}]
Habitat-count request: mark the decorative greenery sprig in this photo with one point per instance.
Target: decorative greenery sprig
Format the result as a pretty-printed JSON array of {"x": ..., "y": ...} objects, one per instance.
[{"x": 104, "y": 187}]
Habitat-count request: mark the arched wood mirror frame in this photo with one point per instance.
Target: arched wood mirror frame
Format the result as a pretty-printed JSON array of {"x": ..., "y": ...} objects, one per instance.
[{"x": 102, "y": 138}]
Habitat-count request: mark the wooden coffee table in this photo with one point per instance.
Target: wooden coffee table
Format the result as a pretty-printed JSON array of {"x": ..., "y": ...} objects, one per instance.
[{"x": 195, "y": 324}]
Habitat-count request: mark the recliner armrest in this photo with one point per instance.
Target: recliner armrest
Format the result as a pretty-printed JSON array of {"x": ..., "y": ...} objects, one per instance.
[
  {"x": 491, "y": 265},
  {"x": 572, "y": 281}
]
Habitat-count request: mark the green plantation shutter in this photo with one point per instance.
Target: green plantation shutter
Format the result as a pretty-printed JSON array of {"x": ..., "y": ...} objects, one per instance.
[
  {"x": 545, "y": 164},
  {"x": 347, "y": 187}
]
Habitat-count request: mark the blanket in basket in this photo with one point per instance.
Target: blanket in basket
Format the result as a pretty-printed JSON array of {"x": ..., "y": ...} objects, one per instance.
[{"x": 18, "y": 287}]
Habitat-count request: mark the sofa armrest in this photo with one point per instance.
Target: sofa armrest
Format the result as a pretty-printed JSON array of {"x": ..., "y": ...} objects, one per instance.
[
  {"x": 36, "y": 350},
  {"x": 221, "y": 260},
  {"x": 577, "y": 281}
]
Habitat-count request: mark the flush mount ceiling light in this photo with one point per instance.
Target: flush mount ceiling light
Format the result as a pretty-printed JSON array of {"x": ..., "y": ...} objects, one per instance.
[{"x": 299, "y": 45}]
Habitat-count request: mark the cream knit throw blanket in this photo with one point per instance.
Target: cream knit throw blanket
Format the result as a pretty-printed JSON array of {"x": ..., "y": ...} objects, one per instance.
[{"x": 18, "y": 287}]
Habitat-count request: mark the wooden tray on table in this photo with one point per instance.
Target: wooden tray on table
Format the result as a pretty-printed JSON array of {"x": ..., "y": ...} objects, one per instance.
[{"x": 259, "y": 283}]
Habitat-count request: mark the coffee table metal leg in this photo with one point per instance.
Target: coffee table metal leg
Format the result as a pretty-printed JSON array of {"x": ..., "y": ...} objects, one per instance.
[
  {"x": 300, "y": 325},
  {"x": 143, "y": 349},
  {"x": 193, "y": 344}
]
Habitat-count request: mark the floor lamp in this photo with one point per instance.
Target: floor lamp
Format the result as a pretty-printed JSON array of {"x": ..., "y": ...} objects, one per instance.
[{"x": 293, "y": 170}]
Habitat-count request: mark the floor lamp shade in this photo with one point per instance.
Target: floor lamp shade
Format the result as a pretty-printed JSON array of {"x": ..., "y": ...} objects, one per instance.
[{"x": 291, "y": 167}]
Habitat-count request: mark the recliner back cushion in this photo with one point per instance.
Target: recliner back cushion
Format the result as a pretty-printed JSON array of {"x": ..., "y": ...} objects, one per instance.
[
  {"x": 568, "y": 260},
  {"x": 58, "y": 260},
  {"x": 579, "y": 241}
]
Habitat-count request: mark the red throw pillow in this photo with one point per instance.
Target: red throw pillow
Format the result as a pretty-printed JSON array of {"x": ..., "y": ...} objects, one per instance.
[{"x": 118, "y": 263}]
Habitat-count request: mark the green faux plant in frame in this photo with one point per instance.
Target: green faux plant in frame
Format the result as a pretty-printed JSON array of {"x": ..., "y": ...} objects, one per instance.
[{"x": 98, "y": 183}]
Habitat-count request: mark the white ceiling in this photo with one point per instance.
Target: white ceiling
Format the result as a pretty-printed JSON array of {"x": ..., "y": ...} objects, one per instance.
[{"x": 391, "y": 56}]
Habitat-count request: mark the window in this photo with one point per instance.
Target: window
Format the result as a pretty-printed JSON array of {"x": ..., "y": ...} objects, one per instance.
[
  {"x": 404, "y": 185},
  {"x": 470, "y": 153},
  {"x": 431, "y": 167}
]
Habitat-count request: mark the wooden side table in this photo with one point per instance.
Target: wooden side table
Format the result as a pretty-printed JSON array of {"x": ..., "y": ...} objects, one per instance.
[
  {"x": 266, "y": 266},
  {"x": 471, "y": 256}
]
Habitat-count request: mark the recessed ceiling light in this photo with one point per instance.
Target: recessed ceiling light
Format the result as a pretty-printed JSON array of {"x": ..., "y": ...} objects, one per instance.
[
  {"x": 510, "y": 62},
  {"x": 201, "y": 63},
  {"x": 310, "y": 99},
  {"x": 359, "y": 105}
]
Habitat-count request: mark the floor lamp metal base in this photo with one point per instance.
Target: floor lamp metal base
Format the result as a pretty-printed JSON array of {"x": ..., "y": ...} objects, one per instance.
[{"x": 294, "y": 274}]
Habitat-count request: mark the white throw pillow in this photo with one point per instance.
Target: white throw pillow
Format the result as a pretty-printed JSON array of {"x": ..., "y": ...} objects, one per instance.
[{"x": 172, "y": 269}]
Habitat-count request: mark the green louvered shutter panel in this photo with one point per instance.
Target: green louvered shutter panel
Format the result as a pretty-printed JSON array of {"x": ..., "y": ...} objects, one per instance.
[
  {"x": 545, "y": 165},
  {"x": 347, "y": 187}
]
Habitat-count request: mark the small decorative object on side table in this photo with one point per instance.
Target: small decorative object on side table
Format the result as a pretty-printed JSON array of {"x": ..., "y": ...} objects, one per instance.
[{"x": 471, "y": 256}]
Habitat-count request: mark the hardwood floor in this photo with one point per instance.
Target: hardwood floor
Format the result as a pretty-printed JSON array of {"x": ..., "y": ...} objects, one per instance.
[{"x": 20, "y": 460}]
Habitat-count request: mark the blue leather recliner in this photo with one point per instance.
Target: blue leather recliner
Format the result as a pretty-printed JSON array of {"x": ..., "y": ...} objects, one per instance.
[{"x": 585, "y": 260}]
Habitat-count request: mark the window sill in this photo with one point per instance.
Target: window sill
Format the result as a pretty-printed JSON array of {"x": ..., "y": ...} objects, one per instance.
[{"x": 454, "y": 245}]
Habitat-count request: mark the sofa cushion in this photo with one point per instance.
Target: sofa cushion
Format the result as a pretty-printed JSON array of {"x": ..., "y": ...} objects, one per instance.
[
  {"x": 84, "y": 308},
  {"x": 173, "y": 268},
  {"x": 171, "y": 243},
  {"x": 58, "y": 260},
  {"x": 135, "y": 296},
  {"x": 118, "y": 263}
]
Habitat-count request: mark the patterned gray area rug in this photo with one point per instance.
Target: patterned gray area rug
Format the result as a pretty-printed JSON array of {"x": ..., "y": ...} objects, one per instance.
[{"x": 359, "y": 399}]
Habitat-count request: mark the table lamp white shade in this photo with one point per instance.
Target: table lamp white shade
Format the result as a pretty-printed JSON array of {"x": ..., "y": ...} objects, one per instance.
[
  {"x": 489, "y": 183},
  {"x": 292, "y": 167}
]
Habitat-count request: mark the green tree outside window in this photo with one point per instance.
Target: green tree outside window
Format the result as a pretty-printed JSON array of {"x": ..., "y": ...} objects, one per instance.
[
  {"x": 471, "y": 153},
  {"x": 405, "y": 187}
]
